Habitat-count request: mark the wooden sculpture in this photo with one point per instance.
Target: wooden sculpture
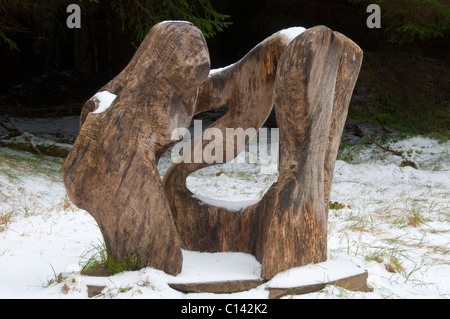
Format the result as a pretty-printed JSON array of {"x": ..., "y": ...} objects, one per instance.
[
  {"x": 111, "y": 171},
  {"x": 126, "y": 127}
]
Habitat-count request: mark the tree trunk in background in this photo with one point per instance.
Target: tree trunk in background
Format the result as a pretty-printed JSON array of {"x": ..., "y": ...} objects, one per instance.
[
  {"x": 85, "y": 46},
  {"x": 45, "y": 38}
]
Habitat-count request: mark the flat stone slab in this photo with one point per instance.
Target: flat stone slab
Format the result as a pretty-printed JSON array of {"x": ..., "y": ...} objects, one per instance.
[
  {"x": 223, "y": 287},
  {"x": 94, "y": 290},
  {"x": 217, "y": 273},
  {"x": 97, "y": 272},
  {"x": 341, "y": 272},
  {"x": 354, "y": 283},
  {"x": 275, "y": 293}
]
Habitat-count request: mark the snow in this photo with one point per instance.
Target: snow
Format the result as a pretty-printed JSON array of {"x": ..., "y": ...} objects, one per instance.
[
  {"x": 292, "y": 32},
  {"x": 234, "y": 205},
  {"x": 105, "y": 100},
  {"x": 175, "y": 21},
  {"x": 220, "y": 70},
  {"x": 206, "y": 267},
  {"x": 57, "y": 128},
  {"x": 392, "y": 217}
]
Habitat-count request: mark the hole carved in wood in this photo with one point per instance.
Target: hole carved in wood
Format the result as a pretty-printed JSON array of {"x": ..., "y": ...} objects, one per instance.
[{"x": 111, "y": 171}]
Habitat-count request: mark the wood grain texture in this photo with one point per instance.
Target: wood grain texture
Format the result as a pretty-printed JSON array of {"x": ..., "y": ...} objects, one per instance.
[
  {"x": 111, "y": 171},
  {"x": 351, "y": 57},
  {"x": 296, "y": 224}
]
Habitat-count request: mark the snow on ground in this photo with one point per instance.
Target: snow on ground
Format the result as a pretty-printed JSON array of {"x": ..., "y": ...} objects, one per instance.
[
  {"x": 393, "y": 221},
  {"x": 61, "y": 129}
]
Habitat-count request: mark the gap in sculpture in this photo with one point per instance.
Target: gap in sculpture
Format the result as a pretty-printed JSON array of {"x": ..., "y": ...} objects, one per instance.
[
  {"x": 241, "y": 182},
  {"x": 307, "y": 76}
]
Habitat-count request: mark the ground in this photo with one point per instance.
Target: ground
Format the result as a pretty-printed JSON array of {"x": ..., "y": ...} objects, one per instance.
[{"x": 388, "y": 218}]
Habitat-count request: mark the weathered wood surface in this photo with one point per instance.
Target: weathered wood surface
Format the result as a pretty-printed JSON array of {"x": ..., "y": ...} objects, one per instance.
[
  {"x": 314, "y": 79},
  {"x": 351, "y": 57},
  {"x": 311, "y": 72},
  {"x": 111, "y": 171}
]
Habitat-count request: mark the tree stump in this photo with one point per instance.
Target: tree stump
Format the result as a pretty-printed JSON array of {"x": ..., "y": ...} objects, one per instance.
[
  {"x": 314, "y": 78},
  {"x": 111, "y": 171}
]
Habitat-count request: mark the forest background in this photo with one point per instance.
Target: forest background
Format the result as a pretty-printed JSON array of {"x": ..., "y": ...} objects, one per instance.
[{"x": 48, "y": 69}]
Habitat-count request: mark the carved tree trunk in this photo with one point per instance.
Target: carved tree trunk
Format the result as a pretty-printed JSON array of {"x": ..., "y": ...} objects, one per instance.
[
  {"x": 314, "y": 80},
  {"x": 295, "y": 221},
  {"x": 111, "y": 171}
]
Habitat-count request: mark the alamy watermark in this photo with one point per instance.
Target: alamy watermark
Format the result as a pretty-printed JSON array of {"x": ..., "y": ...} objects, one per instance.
[
  {"x": 74, "y": 19},
  {"x": 190, "y": 149},
  {"x": 373, "y": 20},
  {"x": 262, "y": 147}
]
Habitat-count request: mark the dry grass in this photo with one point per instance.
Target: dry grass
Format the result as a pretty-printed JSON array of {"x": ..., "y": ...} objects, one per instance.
[{"x": 5, "y": 220}]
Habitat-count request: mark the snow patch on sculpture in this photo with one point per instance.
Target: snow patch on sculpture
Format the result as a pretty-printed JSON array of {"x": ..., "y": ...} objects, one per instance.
[
  {"x": 230, "y": 205},
  {"x": 176, "y": 21},
  {"x": 105, "y": 100},
  {"x": 293, "y": 32},
  {"x": 218, "y": 70}
]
